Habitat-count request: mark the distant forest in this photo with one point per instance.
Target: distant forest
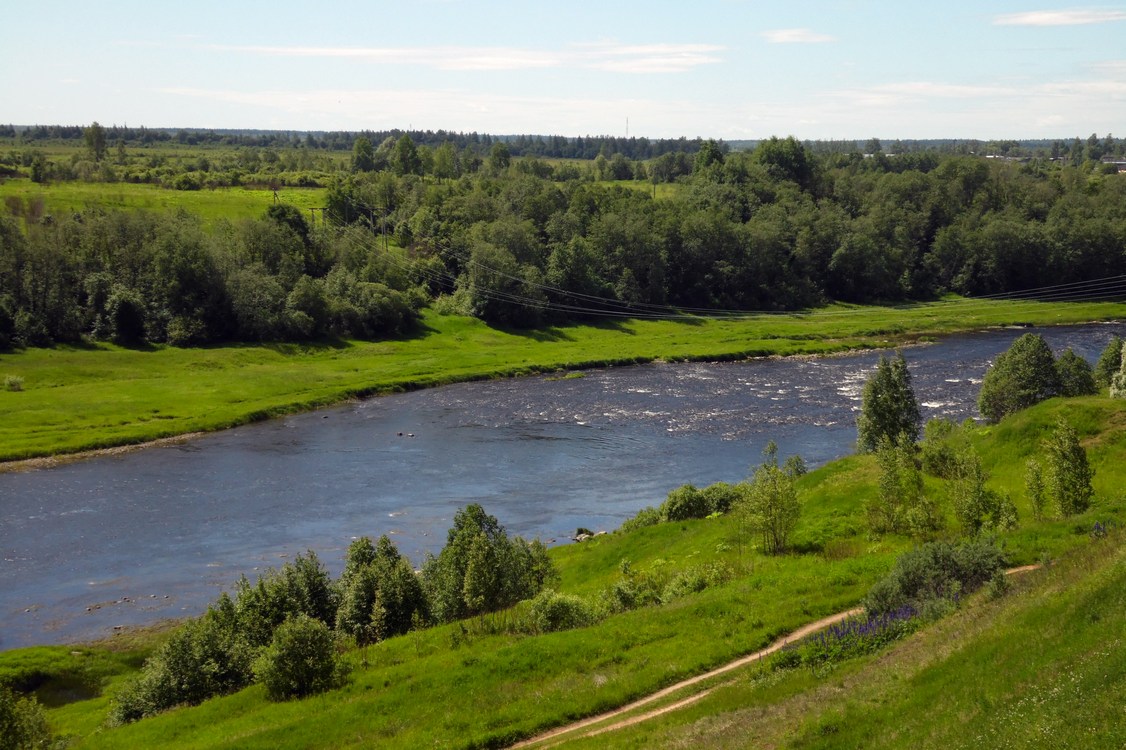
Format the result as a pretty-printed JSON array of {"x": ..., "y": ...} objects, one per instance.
[
  {"x": 562, "y": 147},
  {"x": 519, "y": 239}
]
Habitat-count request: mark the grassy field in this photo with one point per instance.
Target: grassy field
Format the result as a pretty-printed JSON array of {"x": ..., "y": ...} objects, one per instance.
[
  {"x": 1046, "y": 658},
  {"x": 230, "y": 204},
  {"x": 100, "y": 395}
]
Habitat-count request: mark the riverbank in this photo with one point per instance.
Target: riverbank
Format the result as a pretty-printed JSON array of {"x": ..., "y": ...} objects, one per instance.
[{"x": 100, "y": 396}]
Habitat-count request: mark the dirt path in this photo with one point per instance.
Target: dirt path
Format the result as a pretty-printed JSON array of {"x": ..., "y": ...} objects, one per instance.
[
  {"x": 560, "y": 732},
  {"x": 797, "y": 635}
]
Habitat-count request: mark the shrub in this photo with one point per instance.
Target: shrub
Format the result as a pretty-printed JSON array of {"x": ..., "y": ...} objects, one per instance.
[
  {"x": 1023, "y": 375},
  {"x": 204, "y": 658},
  {"x": 721, "y": 496},
  {"x": 935, "y": 572},
  {"x": 13, "y": 383},
  {"x": 301, "y": 660},
  {"x": 22, "y": 723},
  {"x": 1076, "y": 378},
  {"x": 683, "y": 503},
  {"x": 648, "y": 516},
  {"x": 1109, "y": 362},
  {"x": 552, "y": 611}
]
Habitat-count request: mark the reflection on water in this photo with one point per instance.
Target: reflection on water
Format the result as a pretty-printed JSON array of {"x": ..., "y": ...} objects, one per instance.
[{"x": 158, "y": 533}]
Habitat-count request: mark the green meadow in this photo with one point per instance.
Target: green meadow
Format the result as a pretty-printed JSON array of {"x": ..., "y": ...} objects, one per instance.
[
  {"x": 99, "y": 395},
  {"x": 1045, "y": 659},
  {"x": 212, "y": 206}
]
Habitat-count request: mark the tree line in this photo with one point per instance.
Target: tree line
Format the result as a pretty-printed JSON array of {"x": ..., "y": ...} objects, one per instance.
[{"x": 521, "y": 241}]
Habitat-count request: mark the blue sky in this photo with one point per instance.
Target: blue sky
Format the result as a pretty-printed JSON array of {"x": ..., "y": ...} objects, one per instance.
[{"x": 729, "y": 69}]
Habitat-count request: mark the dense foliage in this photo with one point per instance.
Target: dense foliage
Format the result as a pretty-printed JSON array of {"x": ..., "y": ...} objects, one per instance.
[
  {"x": 889, "y": 408},
  {"x": 520, "y": 240},
  {"x": 935, "y": 573},
  {"x": 1023, "y": 375},
  {"x": 282, "y": 630}
]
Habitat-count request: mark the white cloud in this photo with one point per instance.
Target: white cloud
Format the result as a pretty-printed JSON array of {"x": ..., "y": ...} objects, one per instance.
[
  {"x": 652, "y": 58},
  {"x": 1073, "y": 17},
  {"x": 796, "y": 36}
]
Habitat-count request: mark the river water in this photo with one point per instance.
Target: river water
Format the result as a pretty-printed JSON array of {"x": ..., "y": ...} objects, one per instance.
[{"x": 157, "y": 533}]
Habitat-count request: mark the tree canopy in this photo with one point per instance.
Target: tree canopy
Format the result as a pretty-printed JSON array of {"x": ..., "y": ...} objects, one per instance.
[
  {"x": 1023, "y": 375},
  {"x": 889, "y": 408}
]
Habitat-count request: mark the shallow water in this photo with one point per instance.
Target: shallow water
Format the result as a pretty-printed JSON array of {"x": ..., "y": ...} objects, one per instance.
[{"x": 158, "y": 533}]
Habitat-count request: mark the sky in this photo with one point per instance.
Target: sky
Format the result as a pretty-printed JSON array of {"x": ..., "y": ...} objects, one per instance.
[{"x": 725, "y": 69}]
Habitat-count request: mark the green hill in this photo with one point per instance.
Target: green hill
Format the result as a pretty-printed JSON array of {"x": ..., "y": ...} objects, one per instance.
[{"x": 1045, "y": 657}]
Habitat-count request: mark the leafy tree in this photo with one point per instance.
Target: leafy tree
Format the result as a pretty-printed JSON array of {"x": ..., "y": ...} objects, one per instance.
[
  {"x": 770, "y": 506},
  {"x": 363, "y": 155},
  {"x": 301, "y": 587},
  {"x": 95, "y": 137},
  {"x": 301, "y": 660},
  {"x": 481, "y": 569},
  {"x": 1110, "y": 361},
  {"x": 405, "y": 158},
  {"x": 23, "y": 725},
  {"x": 1118, "y": 382},
  {"x": 1068, "y": 473},
  {"x": 977, "y": 507},
  {"x": 1076, "y": 378},
  {"x": 125, "y": 309},
  {"x": 1023, "y": 375},
  {"x": 685, "y": 502},
  {"x": 1034, "y": 487},
  {"x": 901, "y": 505},
  {"x": 889, "y": 408},
  {"x": 710, "y": 153},
  {"x": 206, "y": 657}
]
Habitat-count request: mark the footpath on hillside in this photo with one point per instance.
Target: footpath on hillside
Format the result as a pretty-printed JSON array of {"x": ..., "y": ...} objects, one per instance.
[{"x": 560, "y": 734}]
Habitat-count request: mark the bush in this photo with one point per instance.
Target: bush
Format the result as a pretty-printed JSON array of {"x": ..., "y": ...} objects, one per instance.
[
  {"x": 301, "y": 660},
  {"x": 648, "y": 516},
  {"x": 552, "y": 611},
  {"x": 1076, "y": 378},
  {"x": 1109, "y": 362},
  {"x": 22, "y": 723},
  {"x": 204, "y": 658},
  {"x": 1023, "y": 375},
  {"x": 683, "y": 503},
  {"x": 13, "y": 383},
  {"x": 935, "y": 573}
]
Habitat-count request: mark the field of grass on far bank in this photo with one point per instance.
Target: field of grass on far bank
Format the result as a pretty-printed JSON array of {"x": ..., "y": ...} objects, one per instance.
[{"x": 98, "y": 395}]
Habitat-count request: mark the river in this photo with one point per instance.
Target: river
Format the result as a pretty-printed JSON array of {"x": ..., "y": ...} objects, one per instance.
[{"x": 157, "y": 533}]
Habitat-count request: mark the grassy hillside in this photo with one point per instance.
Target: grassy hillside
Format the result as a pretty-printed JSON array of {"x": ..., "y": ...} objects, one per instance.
[
  {"x": 1048, "y": 650},
  {"x": 98, "y": 395},
  {"x": 1043, "y": 667}
]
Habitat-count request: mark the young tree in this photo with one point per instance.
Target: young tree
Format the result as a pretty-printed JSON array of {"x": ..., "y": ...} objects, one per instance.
[
  {"x": 889, "y": 408},
  {"x": 481, "y": 569},
  {"x": 1118, "y": 381},
  {"x": 1110, "y": 362},
  {"x": 901, "y": 505},
  {"x": 1034, "y": 487},
  {"x": 770, "y": 506},
  {"x": 95, "y": 137},
  {"x": 1069, "y": 475},
  {"x": 1020, "y": 377},
  {"x": 22, "y": 723},
  {"x": 363, "y": 155},
  {"x": 977, "y": 507},
  {"x": 1075, "y": 375},
  {"x": 300, "y": 660}
]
